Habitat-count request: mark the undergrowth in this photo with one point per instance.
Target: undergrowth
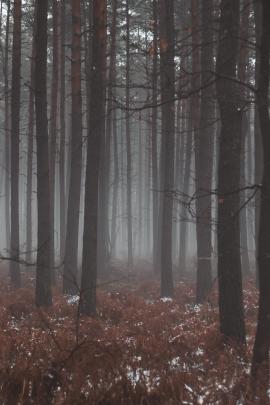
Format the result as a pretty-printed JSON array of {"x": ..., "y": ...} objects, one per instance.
[{"x": 139, "y": 350}]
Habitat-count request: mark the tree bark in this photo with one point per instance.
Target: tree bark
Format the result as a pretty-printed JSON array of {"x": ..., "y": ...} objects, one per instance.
[
  {"x": 29, "y": 190},
  {"x": 53, "y": 128},
  {"x": 7, "y": 130},
  {"x": 62, "y": 159},
  {"x": 43, "y": 275},
  {"x": 204, "y": 156},
  {"x": 231, "y": 110},
  {"x": 128, "y": 142},
  {"x": 260, "y": 362},
  {"x": 95, "y": 134},
  {"x": 71, "y": 251},
  {"x": 167, "y": 76},
  {"x": 15, "y": 144}
]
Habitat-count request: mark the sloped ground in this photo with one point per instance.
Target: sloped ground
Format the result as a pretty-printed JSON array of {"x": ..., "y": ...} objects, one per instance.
[{"x": 140, "y": 349}]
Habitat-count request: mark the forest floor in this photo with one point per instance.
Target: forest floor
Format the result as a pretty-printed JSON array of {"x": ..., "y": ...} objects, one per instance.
[{"x": 139, "y": 350}]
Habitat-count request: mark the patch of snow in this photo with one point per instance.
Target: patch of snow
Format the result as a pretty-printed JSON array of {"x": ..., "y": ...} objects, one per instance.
[
  {"x": 73, "y": 299},
  {"x": 166, "y": 299}
]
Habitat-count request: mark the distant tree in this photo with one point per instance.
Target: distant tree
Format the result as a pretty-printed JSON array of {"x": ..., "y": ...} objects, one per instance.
[
  {"x": 15, "y": 143},
  {"x": 167, "y": 77},
  {"x": 43, "y": 270},
  {"x": 231, "y": 112},
  {"x": 94, "y": 138}
]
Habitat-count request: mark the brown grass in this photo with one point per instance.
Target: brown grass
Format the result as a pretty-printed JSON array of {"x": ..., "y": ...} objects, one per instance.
[{"x": 139, "y": 350}]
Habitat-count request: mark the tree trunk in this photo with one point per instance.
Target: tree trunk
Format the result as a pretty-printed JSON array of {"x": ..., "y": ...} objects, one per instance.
[
  {"x": 95, "y": 134},
  {"x": 29, "y": 191},
  {"x": 229, "y": 257},
  {"x": 43, "y": 276},
  {"x": 154, "y": 134},
  {"x": 15, "y": 144},
  {"x": 243, "y": 77},
  {"x": 71, "y": 252},
  {"x": 7, "y": 130},
  {"x": 167, "y": 76},
  {"x": 128, "y": 140},
  {"x": 53, "y": 129},
  {"x": 204, "y": 156},
  {"x": 62, "y": 176},
  {"x": 258, "y": 155},
  {"x": 260, "y": 362}
]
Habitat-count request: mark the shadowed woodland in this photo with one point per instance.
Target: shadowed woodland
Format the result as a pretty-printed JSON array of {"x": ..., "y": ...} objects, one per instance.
[{"x": 135, "y": 202}]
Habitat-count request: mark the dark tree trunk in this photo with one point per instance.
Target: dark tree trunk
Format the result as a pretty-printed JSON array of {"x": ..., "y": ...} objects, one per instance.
[
  {"x": 204, "y": 155},
  {"x": 111, "y": 121},
  {"x": 260, "y": 363},
  {"x": 231, "y": 110},
  {"x": 167, "y": 76},
  {"x": 104, "y": 236},
  {"x": 128, "y": 142},
  {"x": 71, "y": 252},
  {"x": 15, "y": 144},
  {"x": 95, "y": 134},
  {"x": 43, "y": 276},
  {"x": 7, "y": 130},
  {"x": 243, "y": 77},
  {"x": 62, "y": 154},
  {"x": 53, "y": 129},
  {"x": 29, "y": 190},
  {"x": 154, "y": 134},
  {"x": 258, "y": 155}
]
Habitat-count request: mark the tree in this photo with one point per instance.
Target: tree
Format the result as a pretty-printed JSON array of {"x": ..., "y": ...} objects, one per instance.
[
  {"x": 128, "y": 140},
  {"x": 53, "y": 127},
  {"x": 260, "y": 363},
  {"x": 167, "y": 77},
  {"x": 231, "y": 112},
  {"x": 95, "y": 134},
  {"x": 71, "y": 251},
  {"x": 43, "y": 270},
  {"x": 31, "y": 117},
  {"x": 15, "y": 144},
  {"x": 204, "y": 155},
  {"x": 7, "y": 129}
]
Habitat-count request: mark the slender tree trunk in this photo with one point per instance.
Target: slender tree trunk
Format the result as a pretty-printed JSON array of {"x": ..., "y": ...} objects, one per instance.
[
  {"x": 154, "y": 134},
  {"x": 167, "y": 74},
  {"x": 260, "y": 363},
  {"x": 128, "y": 140},
  {"x": 243, "y": 77},
  {"x": 104, "y": 236},
  {"x": 115, "y": 185},
  {"x": 43, "y": 276},
  {"x": 204, "y": 156},
  {"x": 53, "y": 129},
  {"x": 71, "y": 253},
  {"x": 184, "y": 214},
  {"x": 62, "y": 177},
  {"x": 29, "y": 191},
  {"x": 113, "y": 116},
  {"x": 95, "y": 134},
  {"x": 258, "y": 156},
  {"x": 15, "y": 144},
  {"x": 231, "y": 110},
  {"x": 7, "y": 130}
]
